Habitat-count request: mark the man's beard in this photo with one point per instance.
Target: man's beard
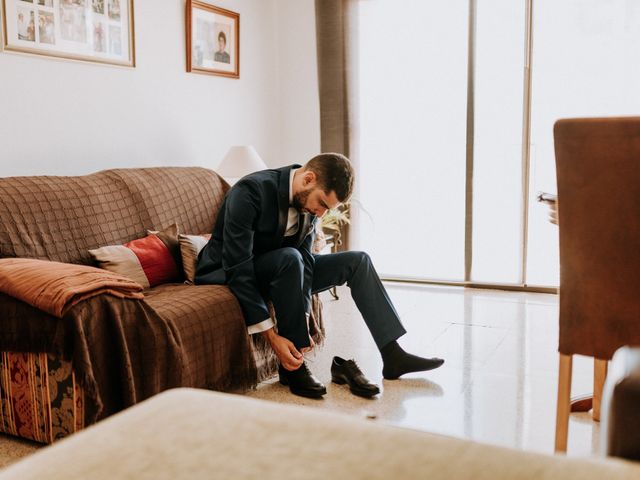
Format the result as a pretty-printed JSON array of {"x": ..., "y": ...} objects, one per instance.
[{"x": 300, "y": 200}]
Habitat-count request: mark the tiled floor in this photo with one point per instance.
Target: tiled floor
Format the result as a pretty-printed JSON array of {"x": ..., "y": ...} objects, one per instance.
[{"x": 498, "y": 384}]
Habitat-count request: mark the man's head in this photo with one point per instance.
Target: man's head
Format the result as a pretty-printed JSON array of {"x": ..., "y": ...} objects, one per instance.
[
  {"x": 222, "y": 41},
  {"x": 324, "y": 183}
]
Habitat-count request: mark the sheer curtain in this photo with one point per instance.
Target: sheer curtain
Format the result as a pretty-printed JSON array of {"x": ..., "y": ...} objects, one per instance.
[{"x": 412, "y": 128}]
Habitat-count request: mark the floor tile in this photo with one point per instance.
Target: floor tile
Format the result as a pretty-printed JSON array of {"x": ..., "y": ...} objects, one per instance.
[{"x": 499, "y": 382}]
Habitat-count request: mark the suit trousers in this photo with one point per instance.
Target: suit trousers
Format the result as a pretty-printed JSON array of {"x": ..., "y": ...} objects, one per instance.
[{"x": 283, "y": 279}]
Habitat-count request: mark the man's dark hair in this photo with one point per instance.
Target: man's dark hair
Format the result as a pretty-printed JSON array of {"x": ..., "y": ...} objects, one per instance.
[
  {"x": 334, "y": 173},
  {"x": 222, "y": 36}
]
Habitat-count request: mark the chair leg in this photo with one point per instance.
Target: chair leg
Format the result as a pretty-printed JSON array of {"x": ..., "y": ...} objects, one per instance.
[
  {"x": 599, "y": 375},
  {"x": 564, "y": 402}
]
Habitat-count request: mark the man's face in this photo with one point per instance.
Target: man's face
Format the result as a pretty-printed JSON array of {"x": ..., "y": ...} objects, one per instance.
[
  {"x": 315, "y": 201},
  {"x": 221, "y": 44}
]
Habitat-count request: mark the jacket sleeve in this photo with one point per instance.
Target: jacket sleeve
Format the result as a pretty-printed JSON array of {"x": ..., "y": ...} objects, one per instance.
[{"x": 241, "y": 211}]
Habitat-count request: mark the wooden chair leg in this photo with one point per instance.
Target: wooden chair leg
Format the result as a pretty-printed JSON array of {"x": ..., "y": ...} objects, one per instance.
[
  {"x": 599, "y": 375},
  {"x": 564, "y": 402}
]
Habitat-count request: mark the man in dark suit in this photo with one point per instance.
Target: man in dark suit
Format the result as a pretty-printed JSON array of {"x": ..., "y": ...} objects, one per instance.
[{"x": 261, "y": 246}]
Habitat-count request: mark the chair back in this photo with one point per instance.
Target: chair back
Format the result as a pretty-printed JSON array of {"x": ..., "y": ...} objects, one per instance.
[{"x": 598, "y": 174}]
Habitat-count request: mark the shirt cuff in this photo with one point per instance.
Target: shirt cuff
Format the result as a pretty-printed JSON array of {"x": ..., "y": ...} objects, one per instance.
[{"x": 260, "y": 327}]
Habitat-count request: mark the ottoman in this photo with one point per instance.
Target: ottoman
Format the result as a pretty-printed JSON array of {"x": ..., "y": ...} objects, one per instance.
[{"x": 194, "y": 434}]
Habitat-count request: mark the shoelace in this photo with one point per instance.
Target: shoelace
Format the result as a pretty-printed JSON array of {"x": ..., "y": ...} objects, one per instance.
[{"x": 352, "y": 366}]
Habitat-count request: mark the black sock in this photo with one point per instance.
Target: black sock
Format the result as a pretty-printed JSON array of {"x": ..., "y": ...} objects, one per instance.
[
  {"x": 390, "y": 350},
  {"x": 397, "y": 362}
]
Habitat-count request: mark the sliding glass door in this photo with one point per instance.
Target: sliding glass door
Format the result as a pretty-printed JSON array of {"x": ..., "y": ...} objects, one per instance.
[
  {"x": 585, "y": 64},
  {"x": 413, "y": 89},
  {"x": 497, "y": 142},
  {"x": 457, "y": 104}
]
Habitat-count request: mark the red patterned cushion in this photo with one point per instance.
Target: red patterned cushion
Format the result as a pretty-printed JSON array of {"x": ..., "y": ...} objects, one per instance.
[{"x": 150, "y": 261}]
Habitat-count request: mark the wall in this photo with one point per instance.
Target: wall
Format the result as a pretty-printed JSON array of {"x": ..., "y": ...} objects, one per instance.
[
  {"x": 299, "y": 103},
  {"x": 66, "y": 118}
]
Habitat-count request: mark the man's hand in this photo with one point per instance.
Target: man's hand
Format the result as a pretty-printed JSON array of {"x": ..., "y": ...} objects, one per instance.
[{"x": 287, "y": 353}]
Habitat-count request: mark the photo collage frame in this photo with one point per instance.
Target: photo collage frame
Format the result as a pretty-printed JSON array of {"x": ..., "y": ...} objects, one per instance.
[{"x": 90, "y": 30}]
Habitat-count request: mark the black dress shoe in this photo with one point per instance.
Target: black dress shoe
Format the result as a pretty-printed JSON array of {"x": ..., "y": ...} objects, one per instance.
[
  {"x": 347, "y": 371},
  {"x": 302, "y": 382}
]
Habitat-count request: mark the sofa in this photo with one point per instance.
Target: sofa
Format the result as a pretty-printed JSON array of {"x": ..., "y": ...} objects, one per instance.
[
  {"x": 58, "y": 375},
  {"x": 217, "y": 435}
]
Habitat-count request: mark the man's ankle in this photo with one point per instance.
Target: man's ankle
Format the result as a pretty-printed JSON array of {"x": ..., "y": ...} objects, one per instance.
[{"x": 391, "y": 350}]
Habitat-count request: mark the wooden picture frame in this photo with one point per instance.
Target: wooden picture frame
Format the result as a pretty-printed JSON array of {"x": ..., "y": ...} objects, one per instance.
[
  {"x": 213, "y": 40},
  {"x": 100, "y": 31}
]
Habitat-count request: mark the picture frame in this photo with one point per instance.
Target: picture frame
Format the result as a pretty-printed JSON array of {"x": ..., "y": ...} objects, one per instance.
[
  {"x": 213, "y": 40},
  {"x": 100, "y": 31}
]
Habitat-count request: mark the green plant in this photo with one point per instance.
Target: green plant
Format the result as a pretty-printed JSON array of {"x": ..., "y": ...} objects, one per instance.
[{"x": 334, "y": 219}]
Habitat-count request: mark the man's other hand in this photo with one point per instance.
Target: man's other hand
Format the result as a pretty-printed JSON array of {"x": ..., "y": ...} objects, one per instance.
[{"x": 289, "y": 356}]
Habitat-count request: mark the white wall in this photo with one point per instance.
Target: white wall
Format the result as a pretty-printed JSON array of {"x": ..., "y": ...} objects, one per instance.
[
  {"x": 299, "y": 103},
  {"x": 60, "y": 117},
  {"x": 67, "y": 118}
]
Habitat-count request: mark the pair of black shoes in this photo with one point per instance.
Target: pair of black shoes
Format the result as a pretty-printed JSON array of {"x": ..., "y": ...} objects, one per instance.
[{"x": 302, "y": 382}]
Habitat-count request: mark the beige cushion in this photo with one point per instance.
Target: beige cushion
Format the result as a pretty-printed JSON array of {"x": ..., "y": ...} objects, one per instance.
[
  {"x": 190, "y": 246},
  {"x": 195, "y": 434}
]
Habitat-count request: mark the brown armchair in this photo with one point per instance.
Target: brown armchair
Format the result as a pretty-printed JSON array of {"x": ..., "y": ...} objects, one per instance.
[{"x": 598, "y": 172}]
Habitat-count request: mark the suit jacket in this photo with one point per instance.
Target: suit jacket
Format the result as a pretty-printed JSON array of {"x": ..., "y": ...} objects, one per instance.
[{"x": 252, "y": 221}]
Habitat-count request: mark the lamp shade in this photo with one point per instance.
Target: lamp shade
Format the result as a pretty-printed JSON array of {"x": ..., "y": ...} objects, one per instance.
[{"x": 239, "y": 161}]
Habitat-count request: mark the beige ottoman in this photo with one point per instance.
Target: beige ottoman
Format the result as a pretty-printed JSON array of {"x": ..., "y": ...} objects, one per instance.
[{"x": 197, "y": 434}]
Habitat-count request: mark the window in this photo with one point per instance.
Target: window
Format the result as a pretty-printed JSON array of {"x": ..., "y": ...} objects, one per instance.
[{"x": 414, "y": 141}]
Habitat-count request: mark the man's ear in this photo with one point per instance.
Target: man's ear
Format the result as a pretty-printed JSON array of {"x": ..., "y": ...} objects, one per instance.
[{"x": 308, "y": 178}]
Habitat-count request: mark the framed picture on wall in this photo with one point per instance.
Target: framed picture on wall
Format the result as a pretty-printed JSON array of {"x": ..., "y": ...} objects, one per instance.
[
  {"x": 213, "y": 40},
  {"x": 90, "y": 30}
]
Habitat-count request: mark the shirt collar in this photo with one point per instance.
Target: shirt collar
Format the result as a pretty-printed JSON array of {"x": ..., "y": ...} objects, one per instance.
[{"x": 291, "y": 175}]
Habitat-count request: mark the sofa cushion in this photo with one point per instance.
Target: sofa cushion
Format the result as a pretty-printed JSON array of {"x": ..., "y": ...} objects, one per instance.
[
  {"x": 212, "y": 331},
  {"x": 190, "y": 246},
  {"x": 62, "y": 218},
  {"x": 150, "y": 261},
  {"x": 188, "y": 196}
]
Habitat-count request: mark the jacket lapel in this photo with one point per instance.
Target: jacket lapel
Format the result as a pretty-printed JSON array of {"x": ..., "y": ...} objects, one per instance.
[{"x": 283, "y": 202}]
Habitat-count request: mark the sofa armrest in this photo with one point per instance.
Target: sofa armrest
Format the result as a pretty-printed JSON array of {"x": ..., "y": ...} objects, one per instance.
[{"x": 620, "y": 425}]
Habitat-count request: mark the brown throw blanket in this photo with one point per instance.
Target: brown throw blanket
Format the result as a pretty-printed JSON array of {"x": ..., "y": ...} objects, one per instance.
[
  {"x": 55, "y": 287},
  {"x": 121, "y": 349}
]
